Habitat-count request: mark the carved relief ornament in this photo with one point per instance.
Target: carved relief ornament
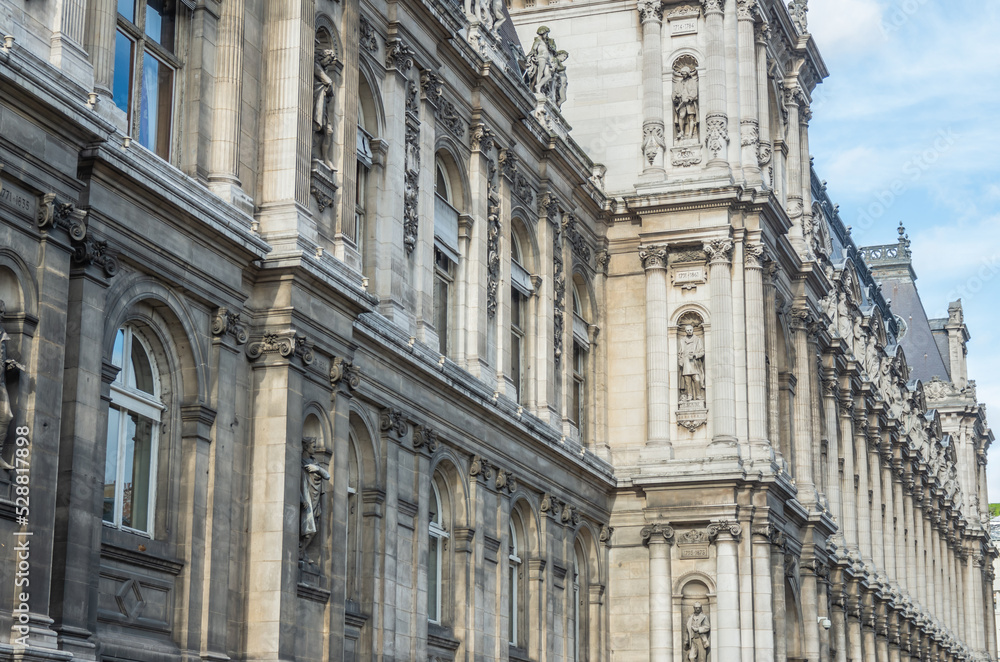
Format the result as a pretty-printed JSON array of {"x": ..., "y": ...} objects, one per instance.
[
  {"x": 392, "y": 420},
  {"x": 652, "y": 533},
  {"x": 226, "y": 322},
  {"x": 398, "y": 56},
  {"x": 719, "y": 251},
  {"x": 425, "y": 437},
  {"x": 650, "y": 10},
  {"x": 286, "y": 344},
  {"x": 732, "y": 529},
  {"x": 653, "y": 257},
  {"x": 343, "y": 372},
  {"x": 754, "y": 254}
]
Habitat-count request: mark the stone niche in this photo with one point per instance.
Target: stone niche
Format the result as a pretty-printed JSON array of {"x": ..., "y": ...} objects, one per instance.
[
  {"x": 692, "y": 411},
  {"x": 697, "y": 618}
]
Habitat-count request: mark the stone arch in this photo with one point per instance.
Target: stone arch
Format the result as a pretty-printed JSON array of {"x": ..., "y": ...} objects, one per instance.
[
  {"x": 18, "y": 289},
  {"x": 327, "y": 35},
  {"x": 450, "y": 469},
  {"x": 449, "y": 157},
  {"x": 370, "y": 101},
  {"x": 688, "y": 309}
]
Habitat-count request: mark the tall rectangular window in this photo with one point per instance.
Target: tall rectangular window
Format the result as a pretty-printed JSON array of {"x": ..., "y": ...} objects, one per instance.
[
  {"x": 145, "y": 67},
  {"x": 443, "y": 278},
  {"x": 517, "y": 340},
  {"x": 577, "y": 407}
]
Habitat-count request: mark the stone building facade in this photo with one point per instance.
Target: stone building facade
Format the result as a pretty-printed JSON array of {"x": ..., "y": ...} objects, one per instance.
[{"x": 326, "y": 337}]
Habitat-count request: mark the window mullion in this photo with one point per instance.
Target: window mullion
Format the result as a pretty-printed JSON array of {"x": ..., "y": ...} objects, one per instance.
[{"x": 120, "y": 469}]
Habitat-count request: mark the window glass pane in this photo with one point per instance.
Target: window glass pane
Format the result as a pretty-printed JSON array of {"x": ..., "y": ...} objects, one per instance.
[
  {"x": 118, "y": 353},
  {"x": 136, "y": 471},
  {"x": 160, "y": 22},
  {"x": 441, "y": 313},
  {"x": 127, "y": 9},
  {"x": 111, "y": 464},
  {"x": 122, "y": 83},
  {"x": 432, "y": 579},
  {"x": 155, "y": 106},
  {"x": 141, "y": 370},
  {"x": 512, "y": 604},
  {"x": 515, "y": 362}
]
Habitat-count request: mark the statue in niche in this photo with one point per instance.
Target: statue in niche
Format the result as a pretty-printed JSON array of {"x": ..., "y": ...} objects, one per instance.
[
  {"x": 697, "y": 631},
  {"x": 314, "y": 477},
  {"x": 7, "y": 364},
  {"x": 323, "y": 94},
  {"x": 544, "y": 71},
  {"x": 845, "y": 327},
  {"x": 691, "y": 361},
  {"x": 686, "y": 100}
]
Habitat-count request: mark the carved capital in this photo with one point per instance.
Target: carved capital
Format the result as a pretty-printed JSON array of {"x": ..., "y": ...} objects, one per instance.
[
  {"x": 398, "y": 56},
  {"x": 287, "y": 344},
  {"x": 483, "y": 138},
  {"x": 606, "y": 533},
  {"x": 391, "y": 421},
  {"x": 226, "y": 322},
  {"x": 425, "y": 437},
  {"x": 746, "y": 10},
  {"x": 653, "y": 257},
  {"x": 602, "y": 258},
  {"x": 731, "y": 529},
  {"x": 714, "y": 7},
  {"x": 719, "y": 251},
  {"x": 343, "y": 373},
  {"x": 656, "y": 533},
  {"x": 754, "y": 255},
  {"x": 650, "y": 10}
]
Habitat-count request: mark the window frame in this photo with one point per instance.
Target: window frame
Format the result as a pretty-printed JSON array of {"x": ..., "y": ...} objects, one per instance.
[
  {"x": 141, "y": 44},
  {"x": 444, "y": 278},
  {"x": 437, "y": 530},
  {"x": 128, "y": 399}
]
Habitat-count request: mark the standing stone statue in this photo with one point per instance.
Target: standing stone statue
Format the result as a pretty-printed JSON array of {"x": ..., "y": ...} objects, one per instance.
[
  {"x": 544, "y": 71},
  {"x": 7, "y": 364},
  {"x": 323, "y": 116},
  {"x": 313, "y": 479},
  {"x": 691, "y": 360},
  {"x": 698, "y": 629},
  {"x": 685, "y": 102}
]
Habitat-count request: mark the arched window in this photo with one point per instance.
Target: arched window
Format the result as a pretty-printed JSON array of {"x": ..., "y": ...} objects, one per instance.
[
  {"x": 581, "y": 347},
  {"x": 364, "y": 160},
  {"x": 134, "y": 416},
  {"x": 446, "y": 251},
  {"x": 437, "y": 535},
  {"x": 516, "y": 583},
  {"x": 520, "y": 284},
  {"x": 579, "y": 610},
  {"x": 353, "y": 525},
  {"x": 144, "y": 71}
]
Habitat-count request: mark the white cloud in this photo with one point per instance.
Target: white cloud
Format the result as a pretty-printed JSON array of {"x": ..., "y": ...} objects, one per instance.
[{"x": 846, "y": 26}]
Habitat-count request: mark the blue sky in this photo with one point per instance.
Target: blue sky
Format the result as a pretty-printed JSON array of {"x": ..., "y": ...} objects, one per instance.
[{"x": 905, "y": 129}]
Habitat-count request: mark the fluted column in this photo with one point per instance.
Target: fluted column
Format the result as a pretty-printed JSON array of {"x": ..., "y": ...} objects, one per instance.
[
  {"x": 659, "y": 538},
  {"x": 726, "y": 536},
  {"x": 804, "y": 359},
  {"x": 864, "y": 504},
  {"x": 888, "y": 498},
  {"x": 722, "y": 359},
  {"x": 102, "y": 23},
  {"x": 810, "y": 610},
  {"x": 850, "y": 518},
  {"x": 746, "y": 14},
  {"x": 912, "y": 572},
  {"x": 793, "y": 168},
  {"x": 805, "y": 114},
  {"x": 764, "y": 148},
  {"x": 756, "y": 353},
  {"x": 654, "y": 142},
  {"x": 763, "y": 615},
  {"x": 830, "y": 412},
  {"x": 716, "y": 117},
  {"x": 66, "y": 45},
  {"x": 225, "y": 149},
  {"x": 773, "y": 389},
  {"x": 654, "y": 261},
  {"x": 878, "y": 544}
]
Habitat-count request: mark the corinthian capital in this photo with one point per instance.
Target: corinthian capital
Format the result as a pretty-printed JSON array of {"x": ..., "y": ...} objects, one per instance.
[
  {"x": 653, "y": 257},
  {"x": 719, "y": 251},
  {"x": 650, "y": 10},
  {"x": 746, "y": 10},
  {"x": 755, "y": 255},
  {"x": 714, "y": 7}
]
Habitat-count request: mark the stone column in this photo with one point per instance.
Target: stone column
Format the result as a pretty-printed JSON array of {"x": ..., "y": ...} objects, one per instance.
[
  {"x": 878, "y": 544},
  {"x": 830, "y": 410},
  {"x": 888, "y": 494},
  {"x": 810, "y": 610},
  {"x": 805, "y": 163},
  {"x": 864, "y": 508},
  {"x": 913, "y": 572},
  {"x": 716, "y": 117},
  {"x": 839, "y": 617},
  {"x": 850, "y": 515},
  {"x": 654, "y": 261},
  {"x": 344, "y": 379},
  {"x": 804, "y": 358},
  {"x": 102, "y": 24},
  {"x": 66, "y": 44},
  {"x": 763, "y": 614},
  {"x": 225, "y": 146},
  {"x": 727, "y": 536},
  {"x": 760, "y": 447},
  {"x": 746, "y": 13},
  {"x": 659, "y": 538},
  {"x": 793, "y": 167},
  {"x": 722, "y": 359},
  {"x": 773, "y": 388},
  {"x": 764, "y": 148},
  {"x": 654, "y": 143}
]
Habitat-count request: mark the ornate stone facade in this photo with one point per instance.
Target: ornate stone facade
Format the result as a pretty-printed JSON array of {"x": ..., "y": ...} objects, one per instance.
[{"x": 324, "y": 339}]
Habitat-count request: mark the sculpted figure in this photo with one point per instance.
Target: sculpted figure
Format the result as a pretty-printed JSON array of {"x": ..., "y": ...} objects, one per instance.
[
  {"x": 560, "y": 80},
  {"x": 322, "y": 95},
  {"x": 313, "y": 479},
  {"x": 844, "y": 325},
  {"x": 7, "y": 364},
  {"x": 691, "y": 360},
  {"x": 544, "y": 71},
  {"x": 698, "y": 628},
  {"x": 686, "y": 103}
]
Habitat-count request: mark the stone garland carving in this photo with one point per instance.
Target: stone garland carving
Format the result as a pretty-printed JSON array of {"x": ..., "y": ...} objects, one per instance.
[
  {"x": 411, "y": 187},
  {"x": 343, "y": 372},
  {"x": 368, "y": 40},
  {"x": 544, "y": 68},
  {"x": 286, "y": 345},
  {"x": 509, "y": 168},
  {"x": 492, "y": 235},
  {"x": 697, "y": 640},
  {"x": 693, "y": 537},
  {"x": 324, "y": 93},
  {"x": 323, "y": 197},
  {"x": 558, "y": 280},
  {"x": 652, "y": 531},
  {"x": 314, "y": 478},
  {"x": 398, "y": 56},
  {"x": 576, "y": 241},
  {"x": 653, "y": 140},
  {"x": 717, "y": 139},
  {"x": 7, "y": 365},
  {"x": 685, "y": 100},
  {"x": 226, "y": 322}
]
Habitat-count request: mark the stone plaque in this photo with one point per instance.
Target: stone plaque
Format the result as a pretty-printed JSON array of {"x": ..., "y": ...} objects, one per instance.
[
  {"x": 684, "y": 26},
  {"x": 694, "y": 552},
  {"x": 689, "y": 278},
  {"x": 18, "y": 199}
]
